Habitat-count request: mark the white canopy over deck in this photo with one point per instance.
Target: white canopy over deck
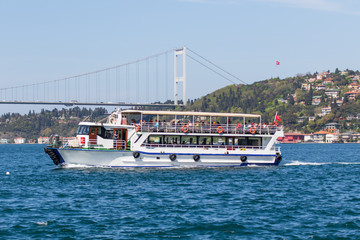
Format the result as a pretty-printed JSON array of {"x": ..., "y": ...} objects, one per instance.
[{"x": 191, "y": 114}]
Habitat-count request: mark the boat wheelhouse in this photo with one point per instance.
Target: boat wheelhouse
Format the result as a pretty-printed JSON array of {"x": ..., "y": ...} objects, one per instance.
[{"x": 139, "y": 138}]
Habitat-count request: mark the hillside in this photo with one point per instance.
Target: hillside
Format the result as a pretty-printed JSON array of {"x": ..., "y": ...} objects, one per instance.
[
  {"x": 305, "y": 102},
  {"x": 63, "y": 122}
]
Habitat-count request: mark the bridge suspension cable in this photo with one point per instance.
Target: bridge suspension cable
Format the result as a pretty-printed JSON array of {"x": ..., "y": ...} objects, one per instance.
[
  {"x": 213, "y": 64},
  {"x": 138, "y": 82}
]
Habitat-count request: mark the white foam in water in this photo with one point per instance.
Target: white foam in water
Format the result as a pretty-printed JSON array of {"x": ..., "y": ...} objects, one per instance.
[
  {"x": 298, "y": 163},
  {"x": 42, "y": 223},
  {"x": 75, "y": 166}
]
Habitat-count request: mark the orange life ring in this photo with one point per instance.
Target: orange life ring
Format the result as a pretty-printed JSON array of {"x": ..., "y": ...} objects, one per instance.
[
  {"x": 252, "y": 130},
  {"x": 185, "y": 129},
  {"x": 220, "y": 129},
  {"x": 137, "y": 128}
]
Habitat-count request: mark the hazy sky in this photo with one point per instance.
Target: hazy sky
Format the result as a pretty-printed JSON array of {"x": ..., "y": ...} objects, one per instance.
[{"x": 43, "y": 40}]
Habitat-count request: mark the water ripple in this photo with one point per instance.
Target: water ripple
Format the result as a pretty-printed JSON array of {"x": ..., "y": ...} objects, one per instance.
[{"x": 313, "y": 194}]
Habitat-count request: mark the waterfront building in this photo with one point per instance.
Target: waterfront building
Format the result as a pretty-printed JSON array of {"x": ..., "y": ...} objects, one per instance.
[
  {"x": 4, "y": 141},
  {"x": 19, "y": 140},
  {"x": 43, "y": 140}
]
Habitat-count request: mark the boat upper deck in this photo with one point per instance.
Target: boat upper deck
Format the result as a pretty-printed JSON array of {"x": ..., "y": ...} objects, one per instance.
[
  {"x": 203, "y": 128},
  {"x": 195, "y": 122}
]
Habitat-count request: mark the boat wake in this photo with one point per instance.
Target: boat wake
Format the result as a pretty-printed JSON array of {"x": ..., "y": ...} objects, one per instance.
[
  {"x": 69, "y": 165},
  {"x": 298, "y": 163}
]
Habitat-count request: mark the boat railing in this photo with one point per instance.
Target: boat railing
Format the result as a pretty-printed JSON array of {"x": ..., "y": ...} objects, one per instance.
[
  {"x": 206, "y": 128},
  {"x": 206, "y": 147},
  {"x": 92, "y": 144},
  {"x": 116, "y": 144}
]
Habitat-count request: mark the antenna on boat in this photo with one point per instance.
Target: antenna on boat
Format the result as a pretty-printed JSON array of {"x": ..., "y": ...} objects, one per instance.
[{"x": 182, "y": 78}]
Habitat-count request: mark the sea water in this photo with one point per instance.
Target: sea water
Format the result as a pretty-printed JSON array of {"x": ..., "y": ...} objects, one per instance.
[{"x": 313, "y": 194}]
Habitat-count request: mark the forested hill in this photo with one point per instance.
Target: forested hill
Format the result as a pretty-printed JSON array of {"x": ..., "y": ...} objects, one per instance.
[
  {"x": 305, "y": 102},
  {"x": 63, "y": 122}
]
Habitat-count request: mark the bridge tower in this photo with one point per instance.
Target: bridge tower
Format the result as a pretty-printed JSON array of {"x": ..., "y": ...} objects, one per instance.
[{"x": 182, "y": 77}]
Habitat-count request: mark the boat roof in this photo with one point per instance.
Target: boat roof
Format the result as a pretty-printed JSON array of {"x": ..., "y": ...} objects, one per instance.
[{"x": 188, "y": 113}]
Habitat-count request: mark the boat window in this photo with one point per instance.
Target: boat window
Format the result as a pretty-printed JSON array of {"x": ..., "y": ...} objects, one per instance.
[
  {"x": 254, "y": 141},
  {"x": 230, "y": 141},
  {"x": 218, "y": 140},
  {"x": 175, "y": 140},
  {"x": 241, "y": 141},
  {"x": 83, "y": 130},
  {"x": 155, "y": 139},
  {"x": 188, "y": 140},
  {"x": 204, "y": 140}
]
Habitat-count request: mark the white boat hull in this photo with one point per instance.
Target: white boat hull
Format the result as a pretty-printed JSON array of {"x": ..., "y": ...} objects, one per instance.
[{"x": 109, "y": 158}]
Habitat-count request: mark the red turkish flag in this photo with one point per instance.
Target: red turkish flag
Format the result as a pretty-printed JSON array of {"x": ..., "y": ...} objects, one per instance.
[{"x": 277, "y": 118}]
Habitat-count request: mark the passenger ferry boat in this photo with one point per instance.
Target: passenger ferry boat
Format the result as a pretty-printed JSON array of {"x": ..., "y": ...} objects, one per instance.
[{"x": 137, "y": 138}]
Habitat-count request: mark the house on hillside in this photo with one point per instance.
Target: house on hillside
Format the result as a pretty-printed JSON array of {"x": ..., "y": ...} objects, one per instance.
[
  {"x": 325, "y": 111},
  {"x": 305, "y": 86},
  {"x": 320, "y": 87},
  {"x": 322, "y": 75},
  {"x": 339, "y": 102},
  {"x": 353, "y": 86},
  {"x": 332, "y": 127},
  {"x": 334, "y": 93},
  {"x": 351, "y": 95},
  {"x": 311, "y": 80},
  {"x": 316, "y": 100},
  {"x": 328, "y": 81}
]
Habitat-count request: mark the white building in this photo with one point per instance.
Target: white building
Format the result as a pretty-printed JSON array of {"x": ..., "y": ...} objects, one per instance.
[
  {"x": 19, "y": 140},
  {"x": 43, "y": 140},
  {"x": 334, "y": 93},
  {"x": 332, "y": 137},
  {"x": 4, "y": 141}
]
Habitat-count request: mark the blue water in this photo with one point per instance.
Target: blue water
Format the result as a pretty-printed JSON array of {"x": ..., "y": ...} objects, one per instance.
[{"x": 313, "y": 194}]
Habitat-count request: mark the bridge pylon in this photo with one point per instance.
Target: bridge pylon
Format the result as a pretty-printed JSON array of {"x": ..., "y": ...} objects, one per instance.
[{"x": 182, "y": 77}]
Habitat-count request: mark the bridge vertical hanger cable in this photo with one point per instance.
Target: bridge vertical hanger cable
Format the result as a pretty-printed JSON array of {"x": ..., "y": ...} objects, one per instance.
[
  {"x": 147, "y": 80},
  {"x": 166, "y": 77},
  {"x": 127, "y": 83},
  {"x": 137, "y": 82},
  {"x": 157, "y": 78},
  {"x": 108, "y": 85}
]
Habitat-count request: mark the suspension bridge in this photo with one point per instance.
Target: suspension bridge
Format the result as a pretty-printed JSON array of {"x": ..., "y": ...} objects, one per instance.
[{"x": 144, "y": 82}]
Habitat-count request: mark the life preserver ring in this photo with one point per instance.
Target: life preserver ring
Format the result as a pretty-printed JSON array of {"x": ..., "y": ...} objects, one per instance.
[
  {"x": 252, "y": 130},
  {"x": 196, "y": 157},
  {"x": 185, "y": 129},
  {"x": 243, "y": 158},
  {"x": 220, "y": 129},
  {"x": 172, "y": 157},
  {"x": 136, "y": 154},
  {"x": 137, "y": 128}
]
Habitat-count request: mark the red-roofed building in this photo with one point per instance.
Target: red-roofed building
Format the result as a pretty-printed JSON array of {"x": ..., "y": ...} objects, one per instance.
[
  {"x": 351, "y": 95},
  {"x": 292, "y": 138}
]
